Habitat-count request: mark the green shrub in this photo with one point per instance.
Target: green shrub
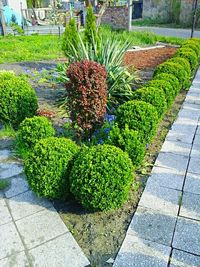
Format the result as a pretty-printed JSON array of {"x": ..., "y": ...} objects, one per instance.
[
  {"x": 176, "y": 69},
  {"x": 171, "y": 79},
  {"x": 101, "y": 177},
  {"x": 192, "y": 45},
  {"x": 70, "y": 38},
  {"x": 153, "y": 96},
  {"x": 17, "y": 99},
  {"x": 47, "y": 167},
  {"x": 129, "y": 141},
  {"x": 90, "y": 33},
  {"x": 166, "y": 87},
  {"x": 139, "y": 116},
  {"x": 182, "y": 61},
  {"x": 31, "y": 130},
  {"x": 190, "y": 55}
]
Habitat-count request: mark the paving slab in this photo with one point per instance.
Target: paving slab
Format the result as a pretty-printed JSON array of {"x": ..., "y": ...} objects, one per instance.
[
  {"x": 160, "y": 198},
  {"x": 180, "y": 136},
  {"x": 176, "y": 162},
  {"x": 195, "y": 152},
  {"x": 152, "y": 225},
  {"x": 62, "y": 251},
  {"x": 18, "y": 185},
  {"x": 183, "y": 259},
  {"x": 193, "y": 99},
  {"x": 187, "y": 236},
  {"x": 190, "y": 207},
  {"x": 8, "y": 170},
  {"x": 5, "y": 216},
  {"x": 41, "y": 227},
  {"x": 137, "y": 252},
  {"x": 192, "y": 183},
  {"x": 194, "y": 166},
  {"x": 196, "y": 140},
  {"x": 178, "y": 148},
  {"x": 166, "y": 178},
  {"x": 27, "y": 204},
  {"x": 15, "y": 260},
  {"x": 5, "y": 154},
  {"x": 187, "y": 122},
  {"x": 6, "y": 142},
  {"x": 10, "y": 242},
  {"x": 198, "y": 130}
]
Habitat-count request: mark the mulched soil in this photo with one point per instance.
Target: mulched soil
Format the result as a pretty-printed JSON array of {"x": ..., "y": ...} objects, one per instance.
[{"x": 148, "y": 58}]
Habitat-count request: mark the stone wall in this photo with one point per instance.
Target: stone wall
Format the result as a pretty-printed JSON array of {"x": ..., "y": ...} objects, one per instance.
[
  {"x": 117, "y": 17},
  {"x": 186, "y": 12},
  {"x": 157, "y": 9}
]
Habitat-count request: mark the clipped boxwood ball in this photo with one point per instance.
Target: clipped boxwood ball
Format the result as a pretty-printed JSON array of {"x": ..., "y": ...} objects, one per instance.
[
  {"x": 154, "y": 96},
  {"x": 171, "y": 79},
  {"x": 182, "y": 61},
  {"x": 192, "y": 45},
  {"x": 101, "y": 177},
  {"x": 139, "y": 116},
  {"x": 47, "y": 168},
  {"x": 17, "y": 99},
  {"x": 31, "y": 130},
  {"x": 190, "y": 55}
]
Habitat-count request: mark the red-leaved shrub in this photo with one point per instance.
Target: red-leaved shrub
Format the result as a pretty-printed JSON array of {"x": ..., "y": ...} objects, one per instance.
[{"x": 87, "y": 95}]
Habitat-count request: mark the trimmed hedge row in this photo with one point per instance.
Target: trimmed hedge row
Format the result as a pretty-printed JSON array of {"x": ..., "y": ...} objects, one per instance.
[{"x": 100, "y": 177}]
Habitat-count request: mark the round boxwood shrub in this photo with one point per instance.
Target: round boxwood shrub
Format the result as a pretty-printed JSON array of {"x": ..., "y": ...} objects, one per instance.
[
  {"x": 47, "y": 168},
  {"x": 101, "y": 177},
  {"x": 166, "y": 87},
  {"x": 176, "y": 69},
  {"x": 184, "y": 62},
  {"x": 31, "y": 130},
  {"x": 154, "y": 96},
  {"x": 17, "y": 99},
  {"x": 139, "y": 116},
  {"x": 194, "y": 46},
  {"x": 171, "y": 79},
  {"x": 129, "y": 141},
  {"x": 190, "y": 55}
]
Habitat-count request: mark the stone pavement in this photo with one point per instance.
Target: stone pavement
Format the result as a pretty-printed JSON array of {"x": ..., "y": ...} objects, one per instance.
[
  {"x": 165, "y": 229},
  {"x": 31, "y": 231},
  {"x": 173, "y": 32}
]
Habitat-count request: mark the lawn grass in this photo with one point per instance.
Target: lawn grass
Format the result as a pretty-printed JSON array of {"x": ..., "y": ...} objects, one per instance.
[
  {"x": 48, "y": 47},
  {"x": 29, "y": 48}
]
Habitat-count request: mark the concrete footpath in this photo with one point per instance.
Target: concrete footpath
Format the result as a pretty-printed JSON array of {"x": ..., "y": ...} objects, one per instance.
[
  {"x": 31, "y": 231},
  {"x": 165, "y": 230},
  {"x": 182, "y": 33}
]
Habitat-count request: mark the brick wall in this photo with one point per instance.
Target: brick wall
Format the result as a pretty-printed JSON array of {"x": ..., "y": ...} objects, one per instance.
[{"x": 117, "y": 17}]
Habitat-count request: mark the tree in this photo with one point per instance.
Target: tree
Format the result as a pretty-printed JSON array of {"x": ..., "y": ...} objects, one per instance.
[{"x": 90, "y": 32}]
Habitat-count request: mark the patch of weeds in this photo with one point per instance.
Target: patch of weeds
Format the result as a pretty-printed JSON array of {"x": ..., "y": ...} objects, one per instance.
[
  {"x": 4, "y": 184},
  {"x": 7, "y": 131}
]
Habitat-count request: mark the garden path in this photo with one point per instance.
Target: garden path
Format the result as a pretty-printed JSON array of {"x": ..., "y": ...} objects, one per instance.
[
  {"x": 31, "y": 231},
  {"x": 165, "y": 230}
]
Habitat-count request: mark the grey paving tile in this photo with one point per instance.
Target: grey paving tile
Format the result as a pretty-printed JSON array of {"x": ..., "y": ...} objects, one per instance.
[
  {"x": 180, "y": 136},
  {"x": 176, "y": 162},
  {"x": 69, "y": 253},
  {"x": 187, "y": 236},
  {"x": 5, "y": 216},
  {"x": 166, "y": 178},
  {"x": 178, "y": 148},
  {"x": 137, "y": 252},
  {"x": 192, "y": 183},
  {"x": 152, "y": 225},
  {"x": 5, "y": 154},
  {"x": 18, "y": 186},
  {"x": 183, "y": 259},
  {"x": 195, "y": 152},
  {"x": 10, "y": 242},
  {"x": 15, "y": 260},
  {"x": 26, "y": 204},
  {"x": 8, "y": 170},
  {"x": 194, "y": 166},
  {"x": 196, "y": 141},
  {"x": 194, "y": 99},
  {"x": 198, "y": 130},
  {"x": 186, "y": 122},
  {"x": 190, "y": 207},
  {"x": 41, "y": 227},
  {"x": 6, "y": 142},
  {"x": 160, "y": 198},
  {"x": 189, "y": 113}
]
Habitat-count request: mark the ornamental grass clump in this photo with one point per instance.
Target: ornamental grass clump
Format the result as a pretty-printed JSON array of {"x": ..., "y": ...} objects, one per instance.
[
  {"x": 17, "y": 99},
  {"x": 47, "y": 168},
  {"x": 139, "y": 116},
  {"x": 31, "y": 130},
  {"x": 101, "y": 177},
  {"x": 87, "y": 96}
]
